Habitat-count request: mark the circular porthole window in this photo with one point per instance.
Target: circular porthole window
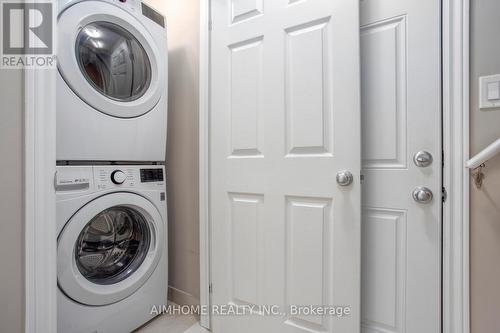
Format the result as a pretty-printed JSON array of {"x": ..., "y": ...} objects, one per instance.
[
  {"x": 113, "y": 245},
  {"x": 113, "y": 61}
]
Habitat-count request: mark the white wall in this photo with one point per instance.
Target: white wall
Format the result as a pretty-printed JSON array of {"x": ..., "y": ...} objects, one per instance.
[
  {"x": 485, "y": 203},
  {"x": 182, "y": 157},
  {"x": 11, "y": 202}
]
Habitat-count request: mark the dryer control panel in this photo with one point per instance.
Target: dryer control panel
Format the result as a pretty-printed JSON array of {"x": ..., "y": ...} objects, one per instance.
[
  {"x": 138, "y": 7},
  {"x": 132, "y": 5}
]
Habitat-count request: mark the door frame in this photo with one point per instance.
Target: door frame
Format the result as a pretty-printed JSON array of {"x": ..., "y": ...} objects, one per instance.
[
  {"x": 456, "y": 113},
  {"x": 455, "y": 96},
  {"x": 204, "y": 161},
  {"x": 40, "y": 256}
]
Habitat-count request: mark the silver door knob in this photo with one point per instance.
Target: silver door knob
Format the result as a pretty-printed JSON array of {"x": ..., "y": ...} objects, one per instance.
[
  {"x": 422, "y": 195},
  {"x": 344, "y": 178},
  {"x": 422, "y": 159}
]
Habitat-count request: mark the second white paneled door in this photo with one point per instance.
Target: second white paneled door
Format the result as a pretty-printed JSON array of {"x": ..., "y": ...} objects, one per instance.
[
  {"x": 285, "y": 119},
  {"x": 401, "y": 116}
]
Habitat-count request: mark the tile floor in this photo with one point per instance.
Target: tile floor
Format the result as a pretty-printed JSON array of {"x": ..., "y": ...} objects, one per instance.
[
  {"x": 196, "y": 328},
  {"x": 172, "y": 324}
]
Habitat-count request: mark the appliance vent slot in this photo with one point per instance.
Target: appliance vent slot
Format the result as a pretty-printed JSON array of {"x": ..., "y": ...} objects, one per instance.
[{"x": 153, "y": 15}]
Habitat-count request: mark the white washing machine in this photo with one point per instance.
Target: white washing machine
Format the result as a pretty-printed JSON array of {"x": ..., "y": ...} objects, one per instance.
[
  {"x": 112, "y": 257},
  {"x": 112, "y": 82}
]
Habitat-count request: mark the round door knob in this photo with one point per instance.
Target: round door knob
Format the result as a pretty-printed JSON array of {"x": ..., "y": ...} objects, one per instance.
[
  {"x": 422, "y": 195},
  {"x": 118, "y": 177},
  {"x": 344, "y": 178},
  {"x": 422, "y": 159}
]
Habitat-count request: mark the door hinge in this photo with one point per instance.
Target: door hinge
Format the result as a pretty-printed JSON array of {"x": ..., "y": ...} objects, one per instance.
[
  {"x": 444, "y": 194},
  {"x": 210, "y": 288},
  {"x": 210, "y": 25}
]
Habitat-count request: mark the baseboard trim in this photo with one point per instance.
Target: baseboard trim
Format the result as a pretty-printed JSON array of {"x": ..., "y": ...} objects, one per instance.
[{"x": 181, "y": 297}]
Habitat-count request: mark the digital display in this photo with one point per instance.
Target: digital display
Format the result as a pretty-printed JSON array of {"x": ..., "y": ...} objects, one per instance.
[{"x": 151, "y": 175}]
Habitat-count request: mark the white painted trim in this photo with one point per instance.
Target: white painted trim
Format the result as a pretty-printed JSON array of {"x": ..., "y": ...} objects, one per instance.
[
  {"x": 456, "y": 16},
  {"x": 181, "y": 297},
  {"x": 204, "y": 127},
  {"x": 40, "y": 237},
  {"x": 40, "y": 201}
]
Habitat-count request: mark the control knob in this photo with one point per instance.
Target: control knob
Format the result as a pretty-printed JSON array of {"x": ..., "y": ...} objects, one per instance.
[{"x": 118, "y": 177}]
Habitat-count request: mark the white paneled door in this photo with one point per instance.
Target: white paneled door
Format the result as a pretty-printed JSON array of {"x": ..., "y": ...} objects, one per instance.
[
  {"x": 285, "y": 119},
  {"x": 401, "y": 116}
]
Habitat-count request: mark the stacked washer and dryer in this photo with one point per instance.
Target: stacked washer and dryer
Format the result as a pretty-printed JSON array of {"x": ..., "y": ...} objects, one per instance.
[{"x": 110, "y": 182}]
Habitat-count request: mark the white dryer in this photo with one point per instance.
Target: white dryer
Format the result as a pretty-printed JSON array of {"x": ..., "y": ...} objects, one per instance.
[
  {"x": 112, "y": 235},
  {"x": 112, "y": 81}
]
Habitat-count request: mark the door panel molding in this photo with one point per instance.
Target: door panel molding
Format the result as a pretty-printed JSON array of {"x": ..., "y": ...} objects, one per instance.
[{"x": 392, "y": 117}]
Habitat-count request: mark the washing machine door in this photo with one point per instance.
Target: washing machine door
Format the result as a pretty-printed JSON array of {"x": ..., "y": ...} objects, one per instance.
[
  {"x": 109, "y": 59},
  {"x": 109, "y": 249}
]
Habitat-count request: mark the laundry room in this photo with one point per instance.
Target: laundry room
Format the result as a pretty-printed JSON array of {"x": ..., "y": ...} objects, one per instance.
[
  {"x": 249, "y": 166},
  {"x": 127, "y": 171}
]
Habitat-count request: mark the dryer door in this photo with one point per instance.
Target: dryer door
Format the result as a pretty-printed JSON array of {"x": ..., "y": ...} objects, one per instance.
[
  {"x": 109, "y": 59},
  {"x": 109, "y": 248}
]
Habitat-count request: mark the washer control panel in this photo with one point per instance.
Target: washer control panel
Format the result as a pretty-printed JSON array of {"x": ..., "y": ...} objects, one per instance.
[
  {"x": 107, "y": 177},
  {"x": 102, "y": 178}
]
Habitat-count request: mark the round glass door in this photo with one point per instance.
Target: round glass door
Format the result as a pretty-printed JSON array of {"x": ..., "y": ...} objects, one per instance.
[
  {"x": 113, "y": 61},
  {"x": 109, "y": 248},
  {"x": 110, "y": 60},
  {"x": 112, "y": 245}
]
